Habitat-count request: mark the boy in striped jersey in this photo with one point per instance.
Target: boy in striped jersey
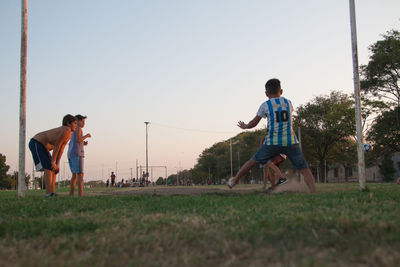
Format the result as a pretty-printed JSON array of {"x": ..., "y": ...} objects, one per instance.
[{"x": 280, "y": 138}]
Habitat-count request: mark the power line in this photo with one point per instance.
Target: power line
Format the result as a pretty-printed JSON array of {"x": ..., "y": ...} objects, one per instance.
[{"x": 191, "y": 130}]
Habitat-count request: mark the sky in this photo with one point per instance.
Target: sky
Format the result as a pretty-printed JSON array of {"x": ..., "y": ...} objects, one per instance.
[{"x": 190, "y": 68}]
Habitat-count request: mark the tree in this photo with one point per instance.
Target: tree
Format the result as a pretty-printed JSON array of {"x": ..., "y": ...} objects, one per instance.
[
  {"x": 5, "y": 180},
  {"x": 387, "y": 169},
  {"x": 385, "y": 133},
  {"x": 381, "y": 76},
  {"x": 3, "y": 166},
  {"x": 328, "y": 128},
  {"x": 160, "y": 181}
]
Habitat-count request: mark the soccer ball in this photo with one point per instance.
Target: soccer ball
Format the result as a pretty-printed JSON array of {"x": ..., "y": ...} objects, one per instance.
[{"x": 368, "y": 147}]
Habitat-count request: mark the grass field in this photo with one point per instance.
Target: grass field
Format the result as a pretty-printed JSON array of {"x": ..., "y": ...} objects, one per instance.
[{"x": 338, "y": 226}]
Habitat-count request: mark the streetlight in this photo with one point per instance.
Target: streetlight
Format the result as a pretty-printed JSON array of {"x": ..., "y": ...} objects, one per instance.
[{"x": 147, "y": 151}]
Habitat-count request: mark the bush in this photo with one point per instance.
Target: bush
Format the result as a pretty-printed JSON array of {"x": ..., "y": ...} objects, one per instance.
[{"x": 387, "y": 168}]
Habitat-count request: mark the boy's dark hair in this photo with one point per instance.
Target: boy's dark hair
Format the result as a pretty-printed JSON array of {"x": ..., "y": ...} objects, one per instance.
[
  {"x": 273, "y": 86},
  {"x": 80, "y": 117},
  {"x": 68, "y": 119}
]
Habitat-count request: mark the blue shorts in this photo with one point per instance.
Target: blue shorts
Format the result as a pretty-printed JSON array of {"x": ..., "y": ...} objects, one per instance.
[
  {"x": 76, "y": 164},
  {"x": 41, "y": 157},
  {"x": 293, "y": 152}
]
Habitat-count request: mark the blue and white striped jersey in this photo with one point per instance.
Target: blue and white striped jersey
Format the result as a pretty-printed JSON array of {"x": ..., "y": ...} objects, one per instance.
[{"x": 279, "y": 113}]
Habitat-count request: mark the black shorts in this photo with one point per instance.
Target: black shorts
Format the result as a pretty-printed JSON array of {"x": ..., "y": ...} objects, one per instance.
[{"x": 41, "y": 157}]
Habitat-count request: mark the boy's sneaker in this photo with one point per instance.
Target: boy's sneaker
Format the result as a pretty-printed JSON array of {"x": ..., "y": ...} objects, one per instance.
[
  {"x": 281, "y": 181},
  {"x": 50, "y": 195},
  {"x": 230, "y": 182}
]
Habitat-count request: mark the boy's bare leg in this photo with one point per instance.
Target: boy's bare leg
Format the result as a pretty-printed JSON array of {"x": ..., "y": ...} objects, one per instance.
[
  {"x": 80, "y": 184},
  {"x": 47, "y": 179},
  {"x": 309, "y": 179},
  {"x": 266, "y": 176},
  {"x": 244, "y": 170},
  {"x": 53, "y": 182},
  {"x": 73, "y": 182},
  {"x": 275, "y": 169},
  {"x": 272, "y": 179}
]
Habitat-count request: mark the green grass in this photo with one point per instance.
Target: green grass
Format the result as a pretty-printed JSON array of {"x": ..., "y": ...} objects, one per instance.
[{"x": 338, "y": 226}]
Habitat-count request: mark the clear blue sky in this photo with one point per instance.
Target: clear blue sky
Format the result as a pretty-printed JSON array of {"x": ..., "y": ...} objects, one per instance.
[{"x": 198, "y": 65}]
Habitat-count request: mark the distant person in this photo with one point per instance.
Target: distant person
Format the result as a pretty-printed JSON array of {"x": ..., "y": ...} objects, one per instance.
[
  {"x": 76, "y": 155},
  {"x": 42, "y": 143},
  {"x": 112, "y": 179},
  {"x": 281, "y": 138},
  {"x": 398, "y": 180}
]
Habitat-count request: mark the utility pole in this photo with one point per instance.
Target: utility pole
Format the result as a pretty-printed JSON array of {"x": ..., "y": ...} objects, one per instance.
[
  {"x": 357, "y": 95},
  {"x": 299, "y": 174},
  {"x": 22, "y": 105},
  {"x": 231, "y": 157},
  {"x": 137, "y": 175},
  {"x": 147, "y": 151}
]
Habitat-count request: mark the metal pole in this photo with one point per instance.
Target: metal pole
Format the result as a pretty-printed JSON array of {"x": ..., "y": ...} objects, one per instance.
[
  {"x": 231, "y": 158},
  {"x": 22, "y": 106},
  {"x": 147, "y": 148},
  {"x": 33, "y": 175},
  {"x": 300, "y": 138},
  {"x": 137, "y": 175},
  {"x": 63, "y": 182},
  {"x": 357, "y": 95},
  {"x": 299, "y": 174}
]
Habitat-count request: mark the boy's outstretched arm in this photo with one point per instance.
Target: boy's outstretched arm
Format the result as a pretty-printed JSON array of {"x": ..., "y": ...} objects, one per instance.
[
  {"x": 251, "y": 124},
  {"x": 58, "y": 150}
]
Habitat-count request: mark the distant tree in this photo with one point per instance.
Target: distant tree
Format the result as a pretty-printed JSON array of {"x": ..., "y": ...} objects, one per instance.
[
  {"x": 160, "y": 181},
  {"x": 6, "y": 181},
  {"x": 385, "y": 133},
  {"x": 387, "y": 169},
  {"x": 3, "y": 166},
  {"x": 381, "y": 76}
]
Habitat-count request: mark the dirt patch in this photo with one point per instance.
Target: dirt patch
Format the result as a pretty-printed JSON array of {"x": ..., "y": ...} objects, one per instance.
[
  {"x": 189, "y": 191},
  {"x": 292, "y": 186}
]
